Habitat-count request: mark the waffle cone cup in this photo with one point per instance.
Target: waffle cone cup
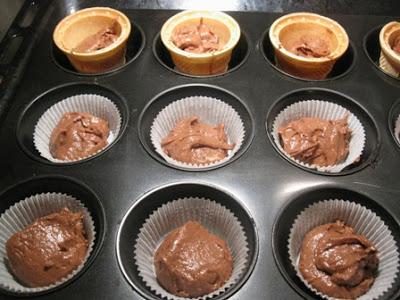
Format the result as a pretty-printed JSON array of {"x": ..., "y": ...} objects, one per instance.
[
  {"x": 386, "y": 66},
  {"x": 291, "y": 27},
  {"x": 73, "y": 29},
  {"x": 389, "y": 60},
  {"x": 211, "y": 63}
]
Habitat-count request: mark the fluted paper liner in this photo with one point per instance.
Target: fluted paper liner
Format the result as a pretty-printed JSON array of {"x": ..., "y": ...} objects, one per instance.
[
  {"x": 24, "y": 213},
  {"x": 97, "y": 105},
  {"x": 213, "y": 216},
  {"x": 397, "y": 129},
  {"x": 386, "y": 66},
  {"x": 326, "y": 111},
  {"x": 210, "y": 111},
  {"x": 364, "y": 222}
]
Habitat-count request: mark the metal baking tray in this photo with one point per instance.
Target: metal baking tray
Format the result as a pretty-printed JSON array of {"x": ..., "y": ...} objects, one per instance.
[{"x": 263, "y": 189}]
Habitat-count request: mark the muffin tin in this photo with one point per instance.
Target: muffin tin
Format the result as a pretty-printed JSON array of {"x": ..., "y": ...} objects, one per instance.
[{"x": 262, "y": 188}]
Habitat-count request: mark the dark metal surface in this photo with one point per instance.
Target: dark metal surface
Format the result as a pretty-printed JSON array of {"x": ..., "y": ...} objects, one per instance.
[
  {"x": 359, "y": 7},
  {"x": 11, "y": 69},
  {"x": 261, "y": 179},
  {"x": 9, "y": 9}
]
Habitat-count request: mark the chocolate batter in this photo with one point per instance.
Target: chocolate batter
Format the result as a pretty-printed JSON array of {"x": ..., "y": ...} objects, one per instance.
[
  {"x": 78, "y": 135},
  {"x": 338, "y": 262},
  {"x": 49, "y": 249},
  {"x": 396, "y": 45},
  {"x": 310, "y": 46},
  {"x": 99, "y": 40},
  {"x": 192, "y": 262},
  {"x": 196, "y": 143},
  {"x": 316, "y": 141},
  {"x": 199, "y": 39}
]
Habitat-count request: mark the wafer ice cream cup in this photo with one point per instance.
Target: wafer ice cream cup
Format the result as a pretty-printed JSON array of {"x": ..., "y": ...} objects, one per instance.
[
  {"x": 292, "y": 27},
  {"x": 327, "y": 111},
  {"x": 98, "y": 106},
  {"x": 75, "y": 28},
  {"x": 209, "y": 63},
  {"x": 213, "y": 216},
  {"x": 24, "y": 213},
  {"x": 389, "y": 60},
  {"x": 210, "y": 111},
  {"x": 386, "y": 67},
  {"x": 365, "y": 222}
]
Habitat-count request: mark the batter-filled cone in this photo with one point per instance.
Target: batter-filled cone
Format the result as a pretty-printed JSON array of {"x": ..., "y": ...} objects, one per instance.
[
  {"x": 320, "y": 40},
  {"x": 209, "y": 63},
  {"x": 75, "y": 28},
  {"x": 389, "y": 60}
]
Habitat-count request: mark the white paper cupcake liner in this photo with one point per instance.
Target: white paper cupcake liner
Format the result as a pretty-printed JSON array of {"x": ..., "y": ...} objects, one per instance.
[
  {"x": 213, "y": 216},
  {"x": 327, "y": 111},
  {"x": 397, "y": 129},
  {"x": 24, "y": 213},
  {"x": 364, "y": 222},
  {"x": 386, "y": 66},
  {"x": 96, "y": 105},
  {"x": 210, "y": 111}
]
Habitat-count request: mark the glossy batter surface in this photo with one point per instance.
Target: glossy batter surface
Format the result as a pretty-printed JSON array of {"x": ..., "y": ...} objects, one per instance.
[
  {"x": 337, "y": 261},
  {"x": 316, "y": 141},
  {"x": 78, "y": 135},
  {"x": 196, "y": 143},
  {"x": 49, "y": 249},
  {"x": 310, "y": 45},
  {"x": 192, "y": 262},
  {"x": 196, "y": 39},
  {"x": 99, "y": 40}
]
